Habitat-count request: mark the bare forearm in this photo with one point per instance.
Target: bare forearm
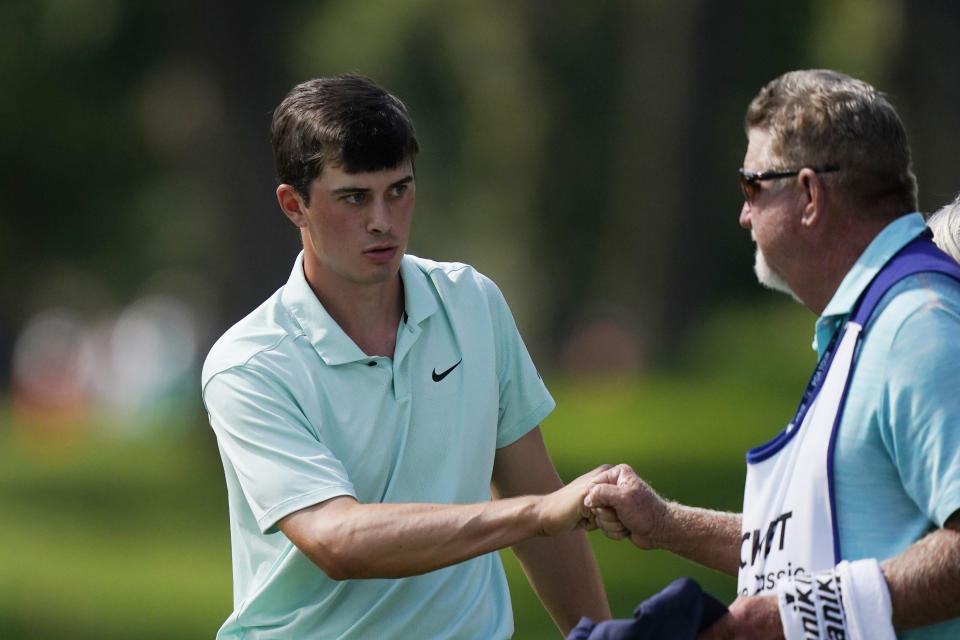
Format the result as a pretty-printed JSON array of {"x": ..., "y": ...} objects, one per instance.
[
  {"x": 352, "y": 540},
  {"x": 924, "y": 580},
  {"x": 348, "y": 539},
  {"x": 564, "y": 575},
  {"x": 627, "y": 507},
  {"x": 710, "y": 538}
]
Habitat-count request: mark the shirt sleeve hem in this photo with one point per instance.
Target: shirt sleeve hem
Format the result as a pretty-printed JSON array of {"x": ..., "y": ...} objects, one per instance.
[
  {"x": 268, "y": 521},
  {"x": 522, "y": 427},
  {"x": 948, "y": 508}
]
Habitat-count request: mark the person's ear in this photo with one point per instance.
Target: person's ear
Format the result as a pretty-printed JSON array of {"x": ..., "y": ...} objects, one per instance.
[
  {"x": 292, "y": 204},
  {"x": 813, "y": 197}
]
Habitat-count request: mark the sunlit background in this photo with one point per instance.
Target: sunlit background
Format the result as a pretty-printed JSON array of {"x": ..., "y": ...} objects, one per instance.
[{"x": 582, "y": 154}]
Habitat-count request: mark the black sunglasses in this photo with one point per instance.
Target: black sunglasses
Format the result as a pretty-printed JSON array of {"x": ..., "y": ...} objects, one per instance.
[{"x": 750, "y": 180}]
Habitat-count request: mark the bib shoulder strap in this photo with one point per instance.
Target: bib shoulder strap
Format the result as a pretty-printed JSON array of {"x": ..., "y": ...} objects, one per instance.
[{"x": 919, "y": 255}]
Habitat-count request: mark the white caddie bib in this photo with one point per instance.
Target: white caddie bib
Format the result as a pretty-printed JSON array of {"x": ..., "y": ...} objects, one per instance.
[
  {"x": 789, "y": 545},
  {"x": 787, "y": 518}
]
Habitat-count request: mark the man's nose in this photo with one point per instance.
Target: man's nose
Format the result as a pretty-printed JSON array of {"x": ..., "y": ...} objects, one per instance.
[
  {"x": 745, "y": 215},
  {"x": 379, "y": 218}
]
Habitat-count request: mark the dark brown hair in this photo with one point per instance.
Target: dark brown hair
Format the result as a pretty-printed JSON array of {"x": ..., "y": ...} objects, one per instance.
[{"x": 345, "y": 121}]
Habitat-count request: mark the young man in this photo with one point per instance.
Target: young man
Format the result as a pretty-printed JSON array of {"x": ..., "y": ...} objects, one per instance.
[
  {"x": 851, "y": 521},
  {"x": 365, "y": 412}
]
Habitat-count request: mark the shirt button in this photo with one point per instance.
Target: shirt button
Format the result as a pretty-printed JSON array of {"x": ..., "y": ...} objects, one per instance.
[{"x": 372, "y": 363}]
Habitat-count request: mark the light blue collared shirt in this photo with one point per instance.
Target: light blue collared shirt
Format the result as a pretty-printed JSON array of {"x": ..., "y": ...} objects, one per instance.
[
  {"x": 897, "y": 456},
  {"x": 302, "y": 415}
]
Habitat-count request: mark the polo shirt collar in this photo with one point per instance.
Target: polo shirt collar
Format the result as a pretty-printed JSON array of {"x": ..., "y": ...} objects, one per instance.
[
  {"x": 333, "y": 345},
  {"x": 419, "y": 300},
  {"x": 887, "y": 243}
]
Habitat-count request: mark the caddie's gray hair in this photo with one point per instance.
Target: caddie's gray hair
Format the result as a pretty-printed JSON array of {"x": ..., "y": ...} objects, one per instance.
[
  {"x": 945, "y": 224},
  {"x": 820, "y": 118}
]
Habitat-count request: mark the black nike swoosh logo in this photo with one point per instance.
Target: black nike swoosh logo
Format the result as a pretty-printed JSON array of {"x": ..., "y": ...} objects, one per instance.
[{"x": 437, "y": 377}]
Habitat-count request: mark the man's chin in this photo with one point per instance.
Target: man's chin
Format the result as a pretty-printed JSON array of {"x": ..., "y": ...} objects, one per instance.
[{"x": 770, "y": 278}]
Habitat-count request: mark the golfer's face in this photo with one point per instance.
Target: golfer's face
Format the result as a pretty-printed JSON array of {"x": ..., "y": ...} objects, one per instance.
[{"x": 358, "y": 223}]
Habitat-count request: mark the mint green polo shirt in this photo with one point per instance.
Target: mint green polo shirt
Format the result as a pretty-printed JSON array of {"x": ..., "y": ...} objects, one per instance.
[
  {"x": 897, "y": 456},
  {"x": 302, "y": 415}
]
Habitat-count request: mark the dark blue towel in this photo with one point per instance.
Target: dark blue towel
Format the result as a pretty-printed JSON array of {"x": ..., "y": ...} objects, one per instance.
[{"x": 678, "y": 612}]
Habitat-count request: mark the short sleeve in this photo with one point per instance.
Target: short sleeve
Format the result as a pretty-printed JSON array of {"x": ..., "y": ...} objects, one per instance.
[
  {"x": 279, "y": 464},
  {"x": 921, "y": 430},
  {"x": 524, "y": 399}
]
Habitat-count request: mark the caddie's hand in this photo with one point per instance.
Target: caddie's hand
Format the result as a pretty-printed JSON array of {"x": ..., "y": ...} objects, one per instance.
[
  {"x": 563, "y": 510},
  {"x": 625, "y": 506},
  {"x": 750, "y": 618}
]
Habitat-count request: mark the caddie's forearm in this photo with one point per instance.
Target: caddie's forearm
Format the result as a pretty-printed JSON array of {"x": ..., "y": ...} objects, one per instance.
[
  {"x": 924, "y": 580},
  {"x": 710, "y": 538},
  {"x": 564, "y": 575},
  {"x": 352, "y": 540}
]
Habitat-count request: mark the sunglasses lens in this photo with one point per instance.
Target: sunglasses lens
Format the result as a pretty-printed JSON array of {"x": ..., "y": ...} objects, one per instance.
[{"x": 748, "y": 188}]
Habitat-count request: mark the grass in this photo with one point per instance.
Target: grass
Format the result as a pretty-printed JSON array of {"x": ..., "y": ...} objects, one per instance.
[
  {"x": 127, "y": 538},
  {"x": 108, "y": 538}
]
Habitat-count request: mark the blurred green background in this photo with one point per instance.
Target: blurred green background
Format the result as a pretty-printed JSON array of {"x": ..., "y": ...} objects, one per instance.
[
  {"x": 580, "y": 153},
  {"x": 127, "y": 538}
]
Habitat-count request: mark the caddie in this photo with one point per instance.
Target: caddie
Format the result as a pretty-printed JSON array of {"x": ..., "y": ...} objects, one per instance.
[{"x": 850, "y": 525}]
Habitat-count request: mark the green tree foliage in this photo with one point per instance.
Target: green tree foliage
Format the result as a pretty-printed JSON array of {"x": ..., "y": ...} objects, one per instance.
[{"x": 582, "y": 155}]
